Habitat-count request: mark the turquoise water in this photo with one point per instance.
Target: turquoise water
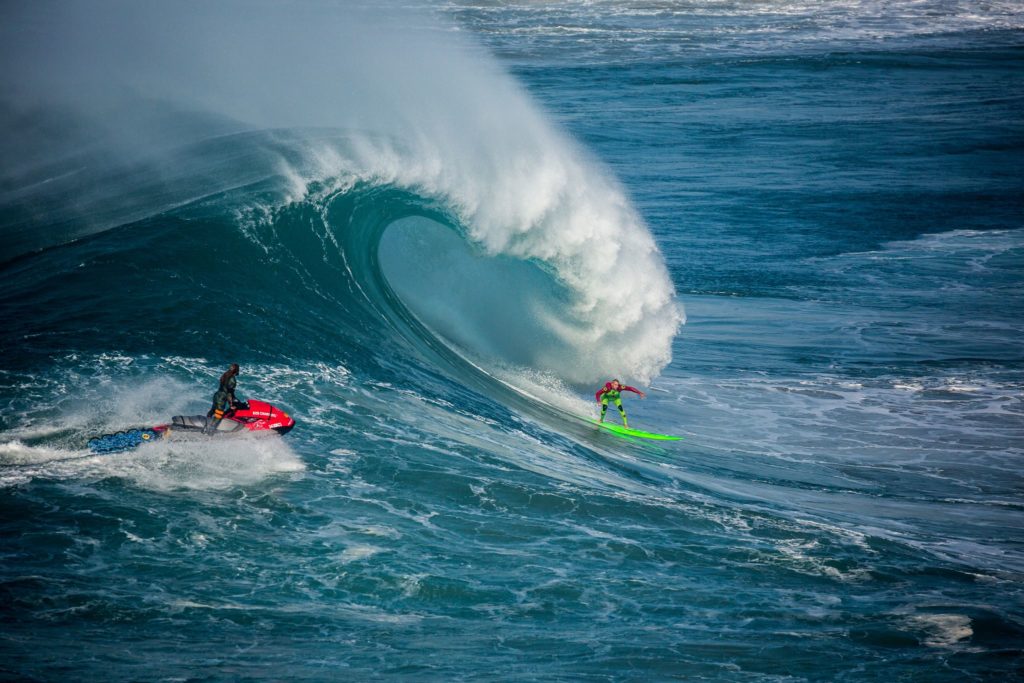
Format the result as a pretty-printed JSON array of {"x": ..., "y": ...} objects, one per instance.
[{"x": 429, "y": 234}]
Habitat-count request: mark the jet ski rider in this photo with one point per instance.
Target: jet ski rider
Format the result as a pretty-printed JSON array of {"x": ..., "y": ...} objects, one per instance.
[{"x": 224, "y": 401}]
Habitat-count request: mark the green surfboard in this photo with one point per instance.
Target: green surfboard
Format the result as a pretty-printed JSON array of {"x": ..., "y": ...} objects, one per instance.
[{"x": 624, "y": 431}]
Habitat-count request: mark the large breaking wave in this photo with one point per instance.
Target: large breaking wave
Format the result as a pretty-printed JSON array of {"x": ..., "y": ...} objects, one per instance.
[{"x": 452, "y": 201}]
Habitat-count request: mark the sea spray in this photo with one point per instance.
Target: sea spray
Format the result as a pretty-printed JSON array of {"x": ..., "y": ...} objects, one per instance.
[{"x": 442, "y": 119}]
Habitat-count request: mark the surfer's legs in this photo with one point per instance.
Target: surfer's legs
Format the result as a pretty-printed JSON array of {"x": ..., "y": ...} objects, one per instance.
[
  {"x": 622, "y": 411},
  {"x": 604, "y": 408}
]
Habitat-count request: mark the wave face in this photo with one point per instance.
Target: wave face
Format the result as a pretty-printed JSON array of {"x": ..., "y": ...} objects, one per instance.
[
  {"x": 461, "y": 135},
  {"x": 430, "y": 264}
]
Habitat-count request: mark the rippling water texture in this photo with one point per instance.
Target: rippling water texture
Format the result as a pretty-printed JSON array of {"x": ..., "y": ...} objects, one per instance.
[{"x": 428, "y": 233}]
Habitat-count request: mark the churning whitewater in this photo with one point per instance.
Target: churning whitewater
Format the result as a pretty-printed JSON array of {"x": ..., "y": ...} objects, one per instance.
[
  {"x": 429, "y": 234},
  {"x": 448, "y": 127}
]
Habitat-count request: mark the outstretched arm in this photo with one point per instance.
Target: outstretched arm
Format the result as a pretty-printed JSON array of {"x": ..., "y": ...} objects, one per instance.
[{"x": 634, "y": 390}]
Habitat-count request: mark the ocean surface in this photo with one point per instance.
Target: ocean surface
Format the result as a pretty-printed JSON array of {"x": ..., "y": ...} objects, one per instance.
[{"x": 429, "y": 232}]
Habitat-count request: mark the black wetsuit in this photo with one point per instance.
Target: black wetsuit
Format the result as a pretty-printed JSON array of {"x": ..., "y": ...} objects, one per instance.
[{"x": 224, "y": 399}]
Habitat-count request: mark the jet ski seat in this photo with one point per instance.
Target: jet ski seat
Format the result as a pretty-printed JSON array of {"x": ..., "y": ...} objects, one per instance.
[{"x": 189, "y": 421}]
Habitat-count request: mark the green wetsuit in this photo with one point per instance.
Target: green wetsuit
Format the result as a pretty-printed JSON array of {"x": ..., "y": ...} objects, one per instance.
[
  {"x": 606, "y": 393},
  {"x": 613, "y": 396}
]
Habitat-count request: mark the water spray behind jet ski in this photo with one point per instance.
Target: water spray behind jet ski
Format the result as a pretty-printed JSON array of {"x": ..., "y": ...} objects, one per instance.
[{"x": 250, "y": 417}]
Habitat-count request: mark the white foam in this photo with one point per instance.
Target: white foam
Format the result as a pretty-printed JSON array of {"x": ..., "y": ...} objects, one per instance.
[
  {"x": 165, "y": 466},
  {"x": 17, "y": 453},
  {"x": 523, "y": 190},
  {"x": 358, "y": 552},
  {"x": 204, "y": 464},
  {"x": 49, "y": 441},
  {"x": 942, "y": 630},
  {"x": 750, "y": 26},
  {"x": 446, "y": 121},
  {"x": 468, "y": 134}
]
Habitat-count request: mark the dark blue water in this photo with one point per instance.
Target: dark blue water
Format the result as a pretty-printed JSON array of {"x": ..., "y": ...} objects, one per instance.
[{"x": 429, "y": 234}]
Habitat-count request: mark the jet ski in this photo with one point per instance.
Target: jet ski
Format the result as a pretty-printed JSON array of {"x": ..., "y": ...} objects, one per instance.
[{"x": 252, "y": 416}]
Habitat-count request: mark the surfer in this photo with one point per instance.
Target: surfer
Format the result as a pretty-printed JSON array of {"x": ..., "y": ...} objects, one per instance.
[
  {"x": 611, "y": 392},
  {"x": 224, "y": 401}
]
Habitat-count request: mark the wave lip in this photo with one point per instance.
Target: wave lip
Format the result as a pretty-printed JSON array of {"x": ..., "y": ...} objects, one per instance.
[
  {"x": 609, "y": 306},
  {"x": 428, "y": 112}
]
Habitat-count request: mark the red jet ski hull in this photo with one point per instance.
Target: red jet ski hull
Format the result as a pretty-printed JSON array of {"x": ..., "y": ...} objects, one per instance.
[
  {"x": 252, "y": 416},
  {"x": 258, "y": 416}
]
